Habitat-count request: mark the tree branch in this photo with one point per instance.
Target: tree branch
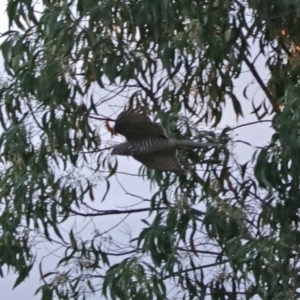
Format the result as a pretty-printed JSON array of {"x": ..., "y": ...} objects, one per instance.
[
  {"x": 251, "y": 123},
  {"x": 196, "y": 268},
  {"x": 262, "y": 85},
  {"x": 115, "y": 212}
]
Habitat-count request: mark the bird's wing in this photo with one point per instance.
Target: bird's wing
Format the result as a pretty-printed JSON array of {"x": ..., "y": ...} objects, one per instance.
[
  {"x": 161, "y": 162},
  {"x": 137, "y": 126}
]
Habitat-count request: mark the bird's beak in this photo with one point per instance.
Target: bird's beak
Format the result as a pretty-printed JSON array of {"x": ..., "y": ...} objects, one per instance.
[{"x": 110, "y": 129}]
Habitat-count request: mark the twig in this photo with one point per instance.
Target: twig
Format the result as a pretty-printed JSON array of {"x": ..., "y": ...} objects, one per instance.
[
  {"x": 247, "y": 124},
  {"x": 195, "y": 268},
  {"x": 262, "y": 85},
  {"x": 116, "y": 212}
]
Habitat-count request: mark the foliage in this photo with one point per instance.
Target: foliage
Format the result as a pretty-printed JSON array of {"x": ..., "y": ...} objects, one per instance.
[{"x": 227, "y": 230}]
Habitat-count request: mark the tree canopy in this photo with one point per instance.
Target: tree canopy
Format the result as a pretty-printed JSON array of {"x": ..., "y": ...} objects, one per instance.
[{"x": 226, "y": 230}]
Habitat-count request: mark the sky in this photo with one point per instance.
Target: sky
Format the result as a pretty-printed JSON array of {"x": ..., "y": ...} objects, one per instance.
[{"x": 257, "y": 135}]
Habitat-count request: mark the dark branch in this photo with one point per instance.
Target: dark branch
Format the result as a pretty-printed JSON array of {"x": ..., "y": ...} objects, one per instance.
[
  {"x": 116, "y": 212},
  {"x": 262, "y": 85},
  {"x": 196, "y": 268},
  {"x": 251, "y": 123}
]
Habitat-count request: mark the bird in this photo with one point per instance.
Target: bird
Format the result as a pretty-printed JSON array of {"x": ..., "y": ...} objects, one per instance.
[{"x": 148, "y": 143}]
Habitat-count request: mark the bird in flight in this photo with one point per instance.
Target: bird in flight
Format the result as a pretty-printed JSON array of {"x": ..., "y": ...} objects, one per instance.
[{"x": 148, "y": 143}]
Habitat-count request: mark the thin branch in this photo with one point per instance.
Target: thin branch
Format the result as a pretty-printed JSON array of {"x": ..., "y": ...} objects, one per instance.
[
  {"x": 120, "y": 254},
  {"x": 197, "y": 251},
  {"x": 148, "y": 92},
  {"x": 116, "y": 225},
  {"x": 261, "y": 83},
  {"x": 251, "y": 123},
  {"x": 195, "y": 268},
  {"x": 116, "y": 212},
  {"x": 33, "y": 115}
]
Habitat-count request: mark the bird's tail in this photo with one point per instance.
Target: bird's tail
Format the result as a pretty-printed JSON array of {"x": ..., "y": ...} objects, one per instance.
[{"x": 192, "y": 144}]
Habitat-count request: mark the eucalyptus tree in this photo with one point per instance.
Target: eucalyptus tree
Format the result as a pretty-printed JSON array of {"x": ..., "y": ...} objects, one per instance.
[{"x": 224, "y": 230}]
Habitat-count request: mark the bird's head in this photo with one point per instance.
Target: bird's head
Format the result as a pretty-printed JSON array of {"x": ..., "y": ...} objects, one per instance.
[
  {"x": 110, "y": 129},
  {"x": 127, "y": 117}
]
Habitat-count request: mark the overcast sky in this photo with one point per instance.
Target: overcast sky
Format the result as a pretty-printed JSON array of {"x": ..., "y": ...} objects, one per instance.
[{"x": 256, "y": 135}]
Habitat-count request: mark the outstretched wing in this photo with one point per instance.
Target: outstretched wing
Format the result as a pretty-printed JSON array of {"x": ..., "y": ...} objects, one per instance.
[{"x": 137, "y": 126}]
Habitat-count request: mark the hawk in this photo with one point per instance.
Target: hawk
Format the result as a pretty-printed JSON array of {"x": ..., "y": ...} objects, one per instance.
[{"x": 148, "y": 143}]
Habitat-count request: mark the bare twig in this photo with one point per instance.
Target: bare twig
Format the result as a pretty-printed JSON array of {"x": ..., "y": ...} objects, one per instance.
[
  {"x": 251, "y": 123},
  {"x": 116, "y": 211}
]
